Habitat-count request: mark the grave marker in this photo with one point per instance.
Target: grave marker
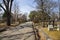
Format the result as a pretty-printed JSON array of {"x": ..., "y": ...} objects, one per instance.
[{"x": 50, "y": 27}]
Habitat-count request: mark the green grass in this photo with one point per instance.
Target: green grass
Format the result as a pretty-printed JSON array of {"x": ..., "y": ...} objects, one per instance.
[{"x": 53, "y": 34}]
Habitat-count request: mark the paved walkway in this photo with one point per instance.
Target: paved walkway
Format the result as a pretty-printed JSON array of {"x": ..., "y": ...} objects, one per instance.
[{"x": 21, "y": 32}]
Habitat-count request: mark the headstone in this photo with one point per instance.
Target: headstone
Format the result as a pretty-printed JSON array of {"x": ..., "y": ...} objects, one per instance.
[
  {"x": 58, "y": 27},
  {"x": 50, "y": 27}
]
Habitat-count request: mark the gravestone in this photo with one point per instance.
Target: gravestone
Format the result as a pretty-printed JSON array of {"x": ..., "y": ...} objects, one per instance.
[
  {"x": 50, "y": 27},
  {"x": 58, "y": 27}
]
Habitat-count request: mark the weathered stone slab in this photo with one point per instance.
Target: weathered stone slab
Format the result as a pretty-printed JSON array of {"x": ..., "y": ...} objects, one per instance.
[
  {"x": 58, "y": 27},
  {"x": 50, "y": 27}
]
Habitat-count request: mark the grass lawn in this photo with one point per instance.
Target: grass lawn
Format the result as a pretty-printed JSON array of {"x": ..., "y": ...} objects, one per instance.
[
  {"x": 2, "y": 24},
  {"x": 12, "y": 25},
  {"x": 15, "y": 24},
  {"x": 53, "y": 34}
]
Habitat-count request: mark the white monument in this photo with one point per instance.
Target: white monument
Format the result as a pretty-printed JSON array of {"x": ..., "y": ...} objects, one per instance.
[
  {"x": 50, "y": 27},
  {"x": 58, "y": 27}
]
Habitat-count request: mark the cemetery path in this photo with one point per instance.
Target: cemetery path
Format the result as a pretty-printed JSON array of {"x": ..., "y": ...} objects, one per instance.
[
  {"x": 21, "y": 32},
  {"x": 45, "y": 35}
]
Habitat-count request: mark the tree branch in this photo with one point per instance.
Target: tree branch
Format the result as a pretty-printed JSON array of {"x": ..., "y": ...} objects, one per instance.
[
  {"x": 5, "y": 3},
  {"x": 2, "y": 7},
  {"x": 8, "y": 1},
  {"x": 11, "y": 4}
]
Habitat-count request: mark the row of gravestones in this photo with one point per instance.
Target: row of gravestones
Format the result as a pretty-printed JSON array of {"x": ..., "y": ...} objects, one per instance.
[{"x": 50, "y": 27}]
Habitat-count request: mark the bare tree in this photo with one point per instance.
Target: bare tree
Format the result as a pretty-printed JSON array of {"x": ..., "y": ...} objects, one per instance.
[
  {"x": 45, "y": 6},
  {"x": 16, "y": 11},
  {"x": 53, "y": 17},
  {"x": 59, "y": 8},
  {"x": 7, "y": 9}
]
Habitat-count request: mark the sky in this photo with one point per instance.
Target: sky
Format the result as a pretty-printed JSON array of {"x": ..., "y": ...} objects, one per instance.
[{"x": 26, "y": 6}]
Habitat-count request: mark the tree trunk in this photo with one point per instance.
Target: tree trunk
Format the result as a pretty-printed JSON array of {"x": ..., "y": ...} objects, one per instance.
[
  {"x": 53, "y": 23},
  {"x": 8, "y": 19}
]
